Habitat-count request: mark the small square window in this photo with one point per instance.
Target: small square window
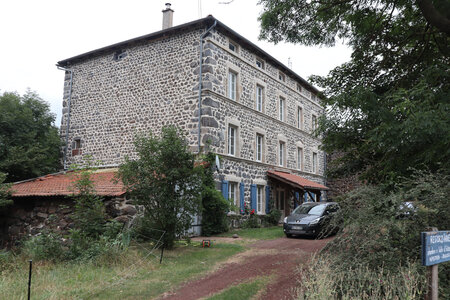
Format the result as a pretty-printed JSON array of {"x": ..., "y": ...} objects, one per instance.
[
  {"x": 260, "y": 63},
  {"x": 232, "y": 46},
  {"x": 313, "y": 97},
  {"x": 76, "y": 147},
  {"x": 281, "y": 77},
  {"x": 119, "y": 55},
  {"x": 299, "y": 88}
]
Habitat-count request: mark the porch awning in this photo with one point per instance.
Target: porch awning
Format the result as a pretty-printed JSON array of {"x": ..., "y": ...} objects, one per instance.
[{"x": 296, "y": 181}]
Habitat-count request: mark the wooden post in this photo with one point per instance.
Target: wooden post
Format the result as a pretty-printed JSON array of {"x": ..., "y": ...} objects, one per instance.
[{"x": 433, "y": 278}]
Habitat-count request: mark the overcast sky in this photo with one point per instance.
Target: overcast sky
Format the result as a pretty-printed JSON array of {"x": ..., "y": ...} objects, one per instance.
[{"x": 36, "y": 34}]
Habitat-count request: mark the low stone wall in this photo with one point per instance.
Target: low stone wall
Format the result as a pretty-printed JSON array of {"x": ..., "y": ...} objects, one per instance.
[
  {"x": 30, "y": 216},
  {"x": 236, "y": 220}
]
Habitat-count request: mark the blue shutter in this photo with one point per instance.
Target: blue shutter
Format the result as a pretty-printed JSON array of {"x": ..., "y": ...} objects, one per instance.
[
  {"x": 306, "y": 196},
  {"x": 267, "y": 199},
  {"x": 225, "y": 189},
  {"x": 241, "y": 197},
  {"x": 320, "y": 197},
  {"x": 297, "y": 199},
  {"x": 253, "y": 196}
]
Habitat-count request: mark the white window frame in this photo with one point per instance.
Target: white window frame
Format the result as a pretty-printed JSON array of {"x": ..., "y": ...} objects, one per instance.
[
  {"x": 232, "y": 85},
  {"x": 281, "y": 108},
  {"x": 299, "y": 158},
  {"x": 299, "y": 117},
  {"x": 314, "y": 162},
  {"x": 261, "y": 63},
  {"x": 281, "y": 153},
  {"x": 259, "y": 98},
  {"x": 233, "y": 44},
  {"x": 259, "y": 199},
  {"x": 233, "y": 192},
  {"x": 232, "y": 140},
  {"x": 259, "y": 147}
]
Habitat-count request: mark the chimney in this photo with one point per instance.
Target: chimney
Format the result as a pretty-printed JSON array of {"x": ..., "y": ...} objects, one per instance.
[{"x": 167, "y": 17}]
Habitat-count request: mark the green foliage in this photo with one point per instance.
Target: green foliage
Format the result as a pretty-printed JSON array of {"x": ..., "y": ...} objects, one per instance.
[
  {"x": 46, "y": 246},
  {"x": 251, "y": 222},
  {"x": 89, "y": 215},
  {"x": 273, "y": 217},
  {"x": 214, "y": 205},
  {"x": 376, "y": 234},
  {"x": 387, "y": 108},
  {"x": 29, "y": 142},
  {"x": 4, "y": 192},
  {"x": 164, "y": 180}
]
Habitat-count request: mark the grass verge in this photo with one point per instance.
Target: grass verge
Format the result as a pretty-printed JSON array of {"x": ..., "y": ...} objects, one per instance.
[
  {"x": 98, "y": 279},
  {"x": 265, "y": 233},
  {"x": 243, "y": 291}
]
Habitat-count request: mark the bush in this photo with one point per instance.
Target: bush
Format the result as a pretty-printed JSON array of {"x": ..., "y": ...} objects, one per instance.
[
  {"x": 273, "y": 217},
  {"x": 215, "y": 209},
  {"x": 251, "y": 222},
  {"x": 46, "y": 246}
]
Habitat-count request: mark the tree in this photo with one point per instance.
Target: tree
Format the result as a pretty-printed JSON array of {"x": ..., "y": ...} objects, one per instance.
[
  {"x": 387, "y": 108},
  {"x": 165, "y": 181},
  {"x": 29, "y": 142},
  {"x": 4, "y": 192}
]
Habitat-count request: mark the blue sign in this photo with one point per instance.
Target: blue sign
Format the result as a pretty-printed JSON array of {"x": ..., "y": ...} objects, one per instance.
[{"x": 435, "y": 247}]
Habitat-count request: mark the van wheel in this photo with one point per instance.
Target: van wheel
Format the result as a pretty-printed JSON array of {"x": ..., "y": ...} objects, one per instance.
[{"x": 288, "y": 235}]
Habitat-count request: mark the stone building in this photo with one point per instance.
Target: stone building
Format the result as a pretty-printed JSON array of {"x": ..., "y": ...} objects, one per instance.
[{"x": 254, "y": 112}]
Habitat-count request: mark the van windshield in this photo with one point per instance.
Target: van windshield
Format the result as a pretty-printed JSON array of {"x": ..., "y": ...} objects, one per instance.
[{"x": 316, "y": 210}]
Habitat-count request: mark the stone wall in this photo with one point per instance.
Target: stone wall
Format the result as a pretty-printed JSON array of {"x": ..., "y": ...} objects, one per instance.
[{"x": 30, "y": 216}]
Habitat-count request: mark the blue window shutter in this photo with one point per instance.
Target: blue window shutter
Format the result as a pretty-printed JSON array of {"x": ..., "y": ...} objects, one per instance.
[
  {"x": 297, "y": 199},
  {"x": 267, "y": 199},
  {"x": 320, "y": 197},
  {"x": 253, "y": 196},
  {"x": 241, "y": 196},
  {"x": 225, "y": 189},
  {"x": 306, "y": 196}
]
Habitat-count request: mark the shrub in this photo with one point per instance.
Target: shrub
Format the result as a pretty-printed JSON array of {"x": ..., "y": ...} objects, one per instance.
[
  {"x": 46, "y": 246},
  {"x": 252, "y": 221},
  {"x": 215, "y": 207},
  {"x": 273, "y": 217}
]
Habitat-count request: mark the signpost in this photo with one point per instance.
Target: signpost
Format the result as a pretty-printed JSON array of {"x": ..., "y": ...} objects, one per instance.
[{"x": 435, "y": 250}]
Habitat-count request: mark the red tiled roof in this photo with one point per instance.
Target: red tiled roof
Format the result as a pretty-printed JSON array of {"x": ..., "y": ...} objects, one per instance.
[
  {"x": 296, "y": 180},
  {"x": 62, "y": 185}
]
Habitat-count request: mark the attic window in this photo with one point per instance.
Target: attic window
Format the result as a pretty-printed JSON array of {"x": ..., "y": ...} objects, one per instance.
[
  {"x": 76, "y": 147},
  {"x": 299, "y": 88},
  {"x": 313, "y": 97},
  {"x": 281, "y": 77},
  {"x": 232, "y": 46},
  {"x": 260, "y": 63},
  {"x": 119, "y": 55}
]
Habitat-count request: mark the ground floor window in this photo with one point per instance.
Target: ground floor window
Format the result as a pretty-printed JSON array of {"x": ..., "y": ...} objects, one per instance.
[
  {"x": 259, "y": 199},
  {"x": 233, "y": 193}
]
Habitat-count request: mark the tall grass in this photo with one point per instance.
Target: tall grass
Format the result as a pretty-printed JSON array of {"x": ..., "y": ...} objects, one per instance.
[{"x": 323, "y": 281}]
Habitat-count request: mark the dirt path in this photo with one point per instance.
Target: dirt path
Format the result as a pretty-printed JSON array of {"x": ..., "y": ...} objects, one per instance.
[{"x": 278, "y": 258}]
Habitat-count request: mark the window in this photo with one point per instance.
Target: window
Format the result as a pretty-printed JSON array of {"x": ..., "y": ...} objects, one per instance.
[
  {"x": 76, "y": 147},
  {"x": 259, "y": 199},
  {"x": 282, "y": 153},
  {"x": 259, "y": 98},
  {"x": 299, "y": 158},
  {"x": 281, "y": 106},
  {"x": 260, "y": 63},
  {"x": 314, "y": 163},
  {"x": 259, "y": 147},
  {"x": 299, "y": 88},
  {"x": 233, "y": 192},
  {"x": 232, "y": 46},
  {"x": 313, "y": 97},
  {"x": 119, "y": 55},
  {"x": 232, "y": 134},
  {"x": 299, "y": 117},
  {"x": 314, "y": 123},
  {"x": 232, "y": 85},
  {"x": 281, "y": 77}
]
